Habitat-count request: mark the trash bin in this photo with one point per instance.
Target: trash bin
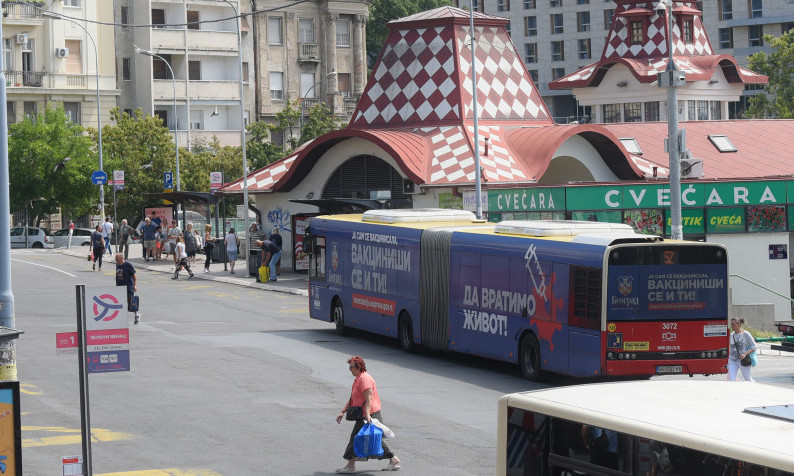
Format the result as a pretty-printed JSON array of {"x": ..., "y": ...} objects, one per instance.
[
  {"x": 219, "y": 253},
  {"x": 254, "y": 260}
]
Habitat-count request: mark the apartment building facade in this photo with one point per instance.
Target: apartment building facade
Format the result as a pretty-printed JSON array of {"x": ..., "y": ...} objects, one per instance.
[
  {"x": 558, "y": 37},
  {"x": 49, "y": 60},
  {"x": 312, "y": 52},
  {"x": 198, "y": 41}
]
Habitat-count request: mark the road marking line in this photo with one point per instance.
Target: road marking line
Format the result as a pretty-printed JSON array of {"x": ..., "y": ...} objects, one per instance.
[
  {"x": 74, "y": 438},
  {"x": 23, "y": 388},
  {"x": 44, "y": 266},
  {"x": 166, "y": 472}
]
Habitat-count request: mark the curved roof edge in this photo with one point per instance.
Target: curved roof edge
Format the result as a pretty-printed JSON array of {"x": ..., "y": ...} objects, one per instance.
[
  {"x": 544, "y": 141},
  {"x": 707, "y": 64},
  {"x": 410, "y": 158}
]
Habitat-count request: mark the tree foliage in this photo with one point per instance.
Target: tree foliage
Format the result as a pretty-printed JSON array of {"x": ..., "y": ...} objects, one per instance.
[
  {"x": 779, "y": 66},
  {"x": 259, "y": 149},
  {"x": 384, "y": 11},
  {"x": 143, "y": 148},
  {"x": 50, "y": 158},
  {"x": 319, "y": 121}
]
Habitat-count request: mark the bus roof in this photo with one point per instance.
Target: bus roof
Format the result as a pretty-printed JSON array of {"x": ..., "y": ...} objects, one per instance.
[{"x": 702, "y": 415}]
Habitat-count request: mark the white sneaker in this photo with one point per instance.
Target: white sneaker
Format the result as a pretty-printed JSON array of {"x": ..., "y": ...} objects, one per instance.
[{"x": 137, "y": 317}]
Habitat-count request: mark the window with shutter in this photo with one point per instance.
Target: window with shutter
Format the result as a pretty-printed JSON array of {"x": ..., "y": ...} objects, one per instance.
[{"x": 74, "y": 62}]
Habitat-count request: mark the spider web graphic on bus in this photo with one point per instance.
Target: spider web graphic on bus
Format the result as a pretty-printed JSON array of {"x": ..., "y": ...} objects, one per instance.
[{"x": 551, "y": 307}]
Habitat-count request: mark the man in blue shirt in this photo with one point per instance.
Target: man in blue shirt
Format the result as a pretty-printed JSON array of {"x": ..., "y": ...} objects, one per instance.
[{"x": 149, "y": 230}]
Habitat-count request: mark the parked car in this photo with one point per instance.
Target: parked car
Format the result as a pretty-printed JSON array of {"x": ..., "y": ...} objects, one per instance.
[
  {"x": 80, "y": 237},
  {"x": 37, "y": 238}
]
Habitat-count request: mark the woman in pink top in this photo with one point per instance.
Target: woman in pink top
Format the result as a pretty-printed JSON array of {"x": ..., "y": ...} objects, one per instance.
[{"x": 365, "y": 396}]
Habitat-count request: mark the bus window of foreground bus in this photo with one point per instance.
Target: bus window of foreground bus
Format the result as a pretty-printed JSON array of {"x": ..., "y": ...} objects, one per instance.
[
  {"x": 681, "y": 428},
  {"x": 584, "y": 299}
]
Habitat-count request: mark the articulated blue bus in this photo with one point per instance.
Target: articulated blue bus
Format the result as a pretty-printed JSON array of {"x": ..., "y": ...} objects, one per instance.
[{"x": 575, "y": 298}]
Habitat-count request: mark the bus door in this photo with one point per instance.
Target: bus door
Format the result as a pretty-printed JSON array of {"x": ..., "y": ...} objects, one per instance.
[
  {"x": 319, "y": 296},
  {"x": 584, "y": 321},
  {"x": 548, "y": 312}
]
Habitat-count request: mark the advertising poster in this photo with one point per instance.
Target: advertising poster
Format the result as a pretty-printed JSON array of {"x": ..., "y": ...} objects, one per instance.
[
  {"x": 10, "y": 429},
  {"x": 300, "y": 257},
  {"x": 162, "y": 213}
]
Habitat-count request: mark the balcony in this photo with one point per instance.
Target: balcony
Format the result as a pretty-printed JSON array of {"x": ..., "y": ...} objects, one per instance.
[
  {"x": 308, "y": 53},
  {"x": 308, "y": 103},
  {"x": 21, "y": 13},
  {"x": 30, "y": 79},
  {"x": 214, "y": 90},
  {"x": 163, "y": 89}
]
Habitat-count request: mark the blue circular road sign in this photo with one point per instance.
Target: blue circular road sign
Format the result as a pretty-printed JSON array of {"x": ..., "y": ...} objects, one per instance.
[{"x": 99, "y": 178}]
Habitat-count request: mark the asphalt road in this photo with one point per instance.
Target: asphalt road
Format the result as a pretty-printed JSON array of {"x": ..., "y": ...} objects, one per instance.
[{"x": 228, "y": 380}]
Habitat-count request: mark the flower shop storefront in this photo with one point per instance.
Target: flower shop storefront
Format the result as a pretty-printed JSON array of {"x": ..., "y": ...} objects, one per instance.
[{"x": 706, "y": 207}]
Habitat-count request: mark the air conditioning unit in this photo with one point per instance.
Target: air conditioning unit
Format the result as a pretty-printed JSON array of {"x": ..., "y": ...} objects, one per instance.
[
  {"x": 61, "y": 52},
  {"x": 22, "y": 38},
  {"x": 410, "y": 188},
  {"x": 691, "y": 168}
]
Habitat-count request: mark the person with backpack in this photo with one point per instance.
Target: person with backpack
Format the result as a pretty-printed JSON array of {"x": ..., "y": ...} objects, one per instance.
[
  {"x": 97, "y": 246},
  {"x": 125, "y": 276}
]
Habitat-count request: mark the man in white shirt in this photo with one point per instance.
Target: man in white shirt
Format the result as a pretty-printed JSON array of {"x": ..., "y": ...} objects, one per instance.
[{"x": 107, "y": 232}]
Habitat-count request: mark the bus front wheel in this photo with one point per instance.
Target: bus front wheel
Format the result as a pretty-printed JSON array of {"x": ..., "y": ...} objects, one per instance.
[
  {"x": 405, "y": 332},
  {"x": 338, "y": 314},
  {"x": 529, "y": 357}
]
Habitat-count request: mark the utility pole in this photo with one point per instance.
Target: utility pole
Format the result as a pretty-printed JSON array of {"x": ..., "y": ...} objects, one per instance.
[
  {"x": 672, "y": 79},
  {"x": 8, "y": 359}
]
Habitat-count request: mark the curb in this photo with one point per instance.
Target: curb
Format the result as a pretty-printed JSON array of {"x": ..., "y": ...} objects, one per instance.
[{"x": 201, "y": 276}]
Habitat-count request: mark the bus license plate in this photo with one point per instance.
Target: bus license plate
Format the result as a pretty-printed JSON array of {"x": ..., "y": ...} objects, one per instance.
[{"x": 669, "y": 369}]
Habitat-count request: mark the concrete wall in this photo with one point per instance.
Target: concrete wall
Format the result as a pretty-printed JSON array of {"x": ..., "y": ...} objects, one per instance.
[{"x": 748, "y": 256}]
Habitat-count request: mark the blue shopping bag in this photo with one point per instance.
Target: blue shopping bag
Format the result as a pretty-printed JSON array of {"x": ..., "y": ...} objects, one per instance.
[{"x": 368, "y": 441}]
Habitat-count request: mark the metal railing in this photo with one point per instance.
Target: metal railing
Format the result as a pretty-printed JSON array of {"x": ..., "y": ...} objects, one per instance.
[
  {"x": 34, "y": 79},
  {"x": 15, "y": 10},
  {"x": 308, "y": 51}
]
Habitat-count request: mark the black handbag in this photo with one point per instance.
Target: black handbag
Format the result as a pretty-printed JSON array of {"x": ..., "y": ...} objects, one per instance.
[{"x": 354, "y": 413}]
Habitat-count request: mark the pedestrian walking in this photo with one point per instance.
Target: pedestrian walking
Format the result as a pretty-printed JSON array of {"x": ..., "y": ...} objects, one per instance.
[
  {"x": 270, "y": 256},
  {"x": 173, "y": 234},
  {"x": 107, "y": 233},
  {"x": 125, "y": 276},
  {"x": 71, "y": 232},
  {"x": 149, "y": 239},
  {"x": 209, "y": 245},
  {"x": 362, "y": 406},
  {"x": 160, "y": 238},
  {"x": 125, "y": 231},
  {"x": 97, "y": 246},
  {"x": 232, "y": 247},
  {"x": 742, "y": 345},
  {"x": 191, "y": 239},
  {"x": 277, "y": 240},
  {"x": 182, "y": 254}
]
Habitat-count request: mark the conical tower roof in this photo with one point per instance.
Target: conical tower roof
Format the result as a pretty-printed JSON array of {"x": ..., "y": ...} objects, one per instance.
[
  {"x": 639, "y": 39},
  {"x": 423, "y": 75}
]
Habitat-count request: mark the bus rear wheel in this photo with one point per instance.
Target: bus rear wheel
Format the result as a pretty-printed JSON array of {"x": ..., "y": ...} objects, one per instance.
[
  {"x": 529, "y": 357},
  {"x": 405, "y": 333},
  {"x": 338, "y": 315}
]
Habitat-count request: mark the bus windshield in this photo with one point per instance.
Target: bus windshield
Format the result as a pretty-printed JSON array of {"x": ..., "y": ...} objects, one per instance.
[{"x": 666, "y": 283}]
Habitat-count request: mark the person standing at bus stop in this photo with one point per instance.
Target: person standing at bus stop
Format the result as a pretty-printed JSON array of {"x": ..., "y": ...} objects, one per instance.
[
  {"x": 364, "y": 405},
  {"x": 742, "y": 345}
]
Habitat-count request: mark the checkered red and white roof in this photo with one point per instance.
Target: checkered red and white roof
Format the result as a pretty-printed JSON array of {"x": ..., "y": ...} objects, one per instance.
[
  {"x": 645, "y": 59},
  {"x": 418, "y": 106}
]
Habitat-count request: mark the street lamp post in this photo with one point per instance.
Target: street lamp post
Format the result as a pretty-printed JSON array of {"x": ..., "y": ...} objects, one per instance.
[
  {"x": 176, "y": 119},
  {"x": 305, "y": 96},
  {"x": 242, "y": 134},
  {"x": 672, "y": 78},
  {"x": 55, "y": 16},
  {"x": 477, "y": 182}
]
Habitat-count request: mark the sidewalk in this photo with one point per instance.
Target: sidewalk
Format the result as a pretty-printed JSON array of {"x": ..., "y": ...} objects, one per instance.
[{"x": 288, "y": 281}]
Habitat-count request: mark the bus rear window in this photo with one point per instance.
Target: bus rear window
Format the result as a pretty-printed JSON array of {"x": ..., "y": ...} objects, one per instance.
[{"x": 666, "y": 255}]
